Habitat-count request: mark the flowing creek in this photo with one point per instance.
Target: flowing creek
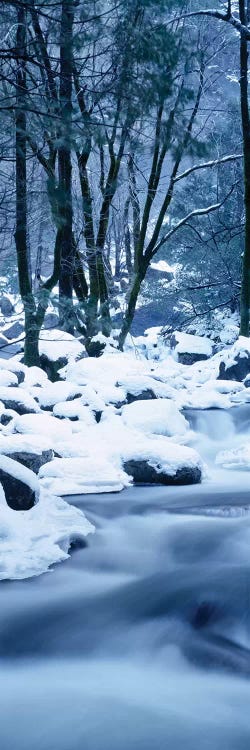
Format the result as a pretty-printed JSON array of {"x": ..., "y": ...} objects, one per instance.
[{"x": 141, "y": 641}]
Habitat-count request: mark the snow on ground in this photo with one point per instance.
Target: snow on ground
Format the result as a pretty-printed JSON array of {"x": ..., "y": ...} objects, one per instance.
[
  {"x": 31, "y": 541},
  {"x": 41, "y": 424},
  {"x": 18, "y": 443},
  {"x": 56, "y": 344},
  {"x": 89, "y": 422},
  {"x": 7, "y": 378},
  {"x": 158, "y": 417}
]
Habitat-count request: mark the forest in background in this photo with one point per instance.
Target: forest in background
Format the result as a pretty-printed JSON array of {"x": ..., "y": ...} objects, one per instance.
[{"x": 124, "y": 138}]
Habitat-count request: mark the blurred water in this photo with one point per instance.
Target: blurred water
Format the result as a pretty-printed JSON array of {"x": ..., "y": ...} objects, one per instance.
[{"x": 141, "y": 641}]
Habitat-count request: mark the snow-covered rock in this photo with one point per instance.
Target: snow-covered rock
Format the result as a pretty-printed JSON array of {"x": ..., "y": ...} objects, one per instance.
[
  {"x": 43, "y": 424},
  {"x": 74, "y": 476},
  {"x": 52, "y": 393},
  {"x": 20, "y": 485},
  {"x": 14, "y": 331},
  {"x": 58, "y": 344},
  {"x": 6, "y": 306},
  {"x": 143, "y": 387},
  {"x": 14, "y": 365},
  {"x": 18, "y": 400},
  {"x": 74, "y": 410},
  {"x": 189, "y": 348},
  {"x": 32, "y": 452},
  {"x": 163, "y": 462},
  {"x": 235, "y": 361},
  {"x": 8, "y": 378}
]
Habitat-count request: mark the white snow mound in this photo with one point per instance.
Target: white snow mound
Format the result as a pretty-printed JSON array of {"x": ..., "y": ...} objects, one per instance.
[
  {"x": 31, "y": 541},
  {"x": 160, "y": 417}
]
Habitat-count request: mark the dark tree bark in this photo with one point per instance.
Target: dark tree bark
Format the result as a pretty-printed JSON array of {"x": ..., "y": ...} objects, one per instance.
[
  {"x": 245, "y": 286},
  {"x": 31, "y": 354},
  {"x": 127, "y": 240},
  {"x": 65, "y": 167}
]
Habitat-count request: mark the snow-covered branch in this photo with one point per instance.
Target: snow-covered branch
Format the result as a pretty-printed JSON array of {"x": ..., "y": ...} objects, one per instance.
[
  {"x": 213, "y": 13},
  {"x": 208, "y": 165},
  {"x": 191, "y": 215}
]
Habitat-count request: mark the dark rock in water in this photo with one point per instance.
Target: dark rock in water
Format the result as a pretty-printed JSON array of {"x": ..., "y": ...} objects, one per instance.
[
  {"x": 237, "y": 371},
  {"x": 32, "y": 461},
  {"x": 146, "y": 395},
  {"x": 143, "y": 473},
  {"x": 52, "y": 368},
  {"x": 6, "y": 307},
  {"x": 20, "y": 485},
  {"x": 51, "y": 320},
  {"x": 14, "y": 331}
]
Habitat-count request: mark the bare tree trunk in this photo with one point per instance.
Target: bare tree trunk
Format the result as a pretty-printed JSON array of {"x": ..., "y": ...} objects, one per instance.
[
  {"x": 65, "y": 167},
  {"x": 130, "y": 311},
  {"x": 245, "y": 287},
  {"x": 127, "y": 240},
  {"x": 31, "y": 353}
]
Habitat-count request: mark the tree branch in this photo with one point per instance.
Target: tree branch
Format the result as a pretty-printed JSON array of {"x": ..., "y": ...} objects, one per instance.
[{"x": 207, "y": 165}]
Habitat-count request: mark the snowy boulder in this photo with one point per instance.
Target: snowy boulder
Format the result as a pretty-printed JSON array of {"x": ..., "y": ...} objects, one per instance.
[
  {"x": 3, "y": 343},
  {"x": 14, "y": 331},
  {"x": 32, "y": 452},
  {"x": 189, "y": 348},
  {"x": 34, "y": 377},
  {"x": 20, "y": 485},
  {"x": 8, "y": 378},
  {"x": 142, "y": 388},
  {"x": 44, "y": 425},
  {"x": 13, "y": 365},
  {"x": 51, "y": 320},
  {"x": 31, "y": 459},
  {"x": 53, "y": 393},
  {"x": 161, "y": 417},
  {"x": 7, "y": 416},
  {"x": 6, "y": 306},
  {"x": 56, "y": 349},
  {"x": 74, "y": 410},
  {"x": 73, "y": 476},
  {"x": 52, "y": 367},
  {"x": 19, "y": 400},
  {"x": 236, "y": 367},
  {"x": 163, "y": 462}
]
